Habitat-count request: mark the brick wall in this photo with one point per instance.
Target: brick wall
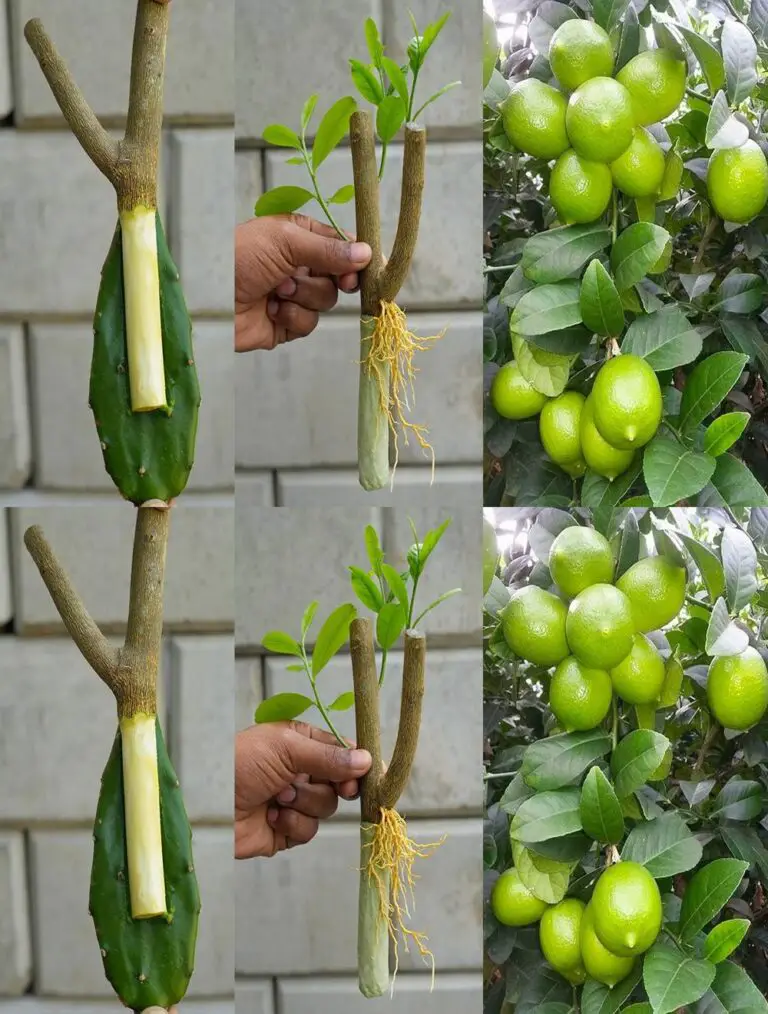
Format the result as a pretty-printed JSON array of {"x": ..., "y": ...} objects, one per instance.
[
  {"x": 57, "y": 722},
  {"x": 296, "y": 914},
  {"x": 58, "y": 215},
  {"x": 308, "y": 390}
]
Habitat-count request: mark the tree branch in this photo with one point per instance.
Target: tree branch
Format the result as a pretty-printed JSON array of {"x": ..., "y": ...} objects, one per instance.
[
  {"x": 411, "y": 191},
  {"x": 100, "y": 147},
  {"x": 394, "y": 781},
  {"x": 368, "y": 225},
  {"x": 366, "y": 686},
  {"x": 83, "y": 629}
]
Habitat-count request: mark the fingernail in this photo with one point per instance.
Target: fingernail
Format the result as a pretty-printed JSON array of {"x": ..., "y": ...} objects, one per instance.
[
  {"x": 287, "y": 795},
  {"x": 359, "y": 758},
  {"x": 287, "y": 287},
  {"x": 360, "y": 253},
  {"x": 272, "y": 814},
  {"x": 272, "y": 307}
]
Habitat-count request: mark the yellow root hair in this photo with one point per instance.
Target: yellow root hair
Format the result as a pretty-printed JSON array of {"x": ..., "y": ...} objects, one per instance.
[{"x": 389, "y": 865}]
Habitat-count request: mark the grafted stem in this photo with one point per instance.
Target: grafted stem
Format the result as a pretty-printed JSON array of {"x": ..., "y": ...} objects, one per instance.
[
  {"x": 367, "y": 221},
  {"x": 411, "y": 191},
  {"x": 394, "y": 781},
  {"x": 366, "y": 687}
]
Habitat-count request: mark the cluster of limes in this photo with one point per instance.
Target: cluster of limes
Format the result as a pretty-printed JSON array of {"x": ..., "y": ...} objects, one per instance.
[
  {"x": 602, "y": 431},
  {"x": 593, "y": 635},
  {"x": 597, "y": 135}
]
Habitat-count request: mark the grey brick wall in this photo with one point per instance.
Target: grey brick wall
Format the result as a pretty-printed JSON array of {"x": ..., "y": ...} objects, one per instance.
[
  {"x": 296, "y": 914},
  {"x": 57, "y": 721},
  {"x": 308, "y": 390},
  {"x": 58, "y": 214}
]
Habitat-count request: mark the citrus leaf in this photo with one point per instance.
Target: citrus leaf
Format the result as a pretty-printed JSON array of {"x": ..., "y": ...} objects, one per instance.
[
  {"x": 707, "y": 892},
  {"x": 673, "y": 683},
  {"x": 281, "y": 136},
  {"x": 740, "y": 563},
  {"x": 744, "y": 843},
  {"x": 733, "y": 992},
  {"x": 366, "y": 589},
  {"x": 673, "y": 980},
  {"x": 396, "y": 584},
  {"x": 635, "y": 758},
  {"x": 343, "y": 195},
  {"x": 673, "y": 473},
  {"x": 738, "y": 799},
  {"x": 628, "y": 45},
  {"x": 739, "y": 293},
  {"x": 601, "y": 815},
  {"x": 724, "y": 431},
  {"x": 599, "y": 999},
  {"x": 723, "y": 636},
  {"x": 710, "y": 60},
  {"x": 389, "y": 625},
  {"x": 733, "y": 485},
  {"x": 600, "y": 303},
  {"x": 664, "y": 845},
  {"x": 724, "y": 939},
  {"x": 306, "y": 112},
  {"x": 396, "y": 77},
  {"x": 282, "y": 201},
  {"x": 547, "y": 308},
  {"x": 555, "y": 254},
  {"x": 740, "y": 59},
  {"x": 343, "y": 702},
  {"x": 708, "y": 563},
  {"x": 557, "y": 761},
  {"x": 548, "y": 372},
  {"x": 546, "y": 815},
  {"x": 373, "y": 549},
  {"x": 708, "y": 384},
  {"x": 333, "y": 634},
  {"x": 332, "y": 129},
  {"x": 571, "y": 341},
  {"x": 723, "y": 129},
  {"x": 373, "y": 41},
  {"x": 281, "y": 643},
  {"x": 635, "y": 251},
  {"x": 282, "y": 708},
  {"x": 390, "y": 117},
  {"x": 547, "y": 879},
  {"x": 306, "y": 620},
  {"x": 665, "y": 339},
  {"x": 548, "y": 18},
  {"x": 366, "y": 82}
]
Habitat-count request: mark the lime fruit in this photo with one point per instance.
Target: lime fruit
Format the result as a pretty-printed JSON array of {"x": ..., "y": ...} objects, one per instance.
[
  {"x": 512, "y": 396},
  {"x": 512, "y": 903},
  {"x": 599, "y": 120},
  {"x": 626, "y": 907},
  {"x": 656, "y": 81},
  {"x": 638, "y": 172},
  {"x": 580, "y": 50},
  {"x": 575, "y": 468},
  {"x": 580, "y": 557},
  {"x": 579, "y": 697},
  {"x": 559, "y": 428},
  {"x": 737, "y": 182},
  {"x": 560, "y": 936},
  {"x": 599, "y": 455},
  {"x": 533, "y": 622},
  {"x": 599, "y": 626},
  {"x": 639, "y": 677},
  {"x": 580, "y": 191},
  {"x": 490, "y": 48},
  {"x": 656, "y": 589},
  {"x": 533, "y": 115},
  {"x": 626, "y": 399},
  {"x": 737, "y": 689},
  {"x": 599, "y": 962}
]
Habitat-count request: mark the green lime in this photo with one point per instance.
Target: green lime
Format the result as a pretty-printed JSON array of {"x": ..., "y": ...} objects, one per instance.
[
  {"x": 490, "y": 48},
  {"x": 512, "y": 396},
  {"x": 512, "y": 903},
  {"x": 533, "y": 115},
  {"x": 639, "y": 677},
  {"x": 580, "y": 556},
  {"x": 559, "y": 428},
  {"x": 560, "y": 936},
  {"x": 579, "y": 697},
  {"x": 599, "y": 626},
  {"x": 737, "y": 689},
  {"x": 490, "y": 554},
  {"x": 627, "y": 404},
  {"x": 601, "y": 456},
  {"x": 656, "y": 81},
  {"x": 580, "y": 50},
  {"x": 533, "y": 622},
  {"x": 580, "y": 191},
  {"x": 626, "y": 907},
  {"x": 599, "y": 119},
  {"x": 656, "y": 589},
  {"x": 638, "y": 172},
  {"x": 599, "y": 962},
  {"x": 575, "y": 468},
  {"x": 737, "y": 182}
]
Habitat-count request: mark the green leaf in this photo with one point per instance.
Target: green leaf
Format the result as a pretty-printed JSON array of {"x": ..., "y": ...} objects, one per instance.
[
  {"x": 333, "y": 634},
  {"x": 733, "y": 992},
  {"x": 515, "y": 795},
  {"x": 663, "y": 845},
  {"x": 673, "y": 980},
  {"x": 745, "y": 336},
  {"x": 635, "y": 758},
  {"x": 601, "y": 815},
  {"x": 547, "y": 372},
  {"x": 548, "y": 18},
  {"x": 570, "y": 341},
  {"x": 366, "y": 589},
  {"x": 707, "y": 892},
  {"x": 373, "y": 41},
  {"x": 282, "y": 708},
  {"x": 547, "y": 879},
  {"x": 600, "y": 303},
  {"x": 599, "y": 999},
  {"x": 309, "y": 615},
  {"x": 708, "y": 563},
  {"x": 673, "y": 175},
  {"x": 724, "y": 431},
  {"x": 665, "y": 339},
  {"x": 740, "y": 565},
  {"x": 556, "y": 254},
  {"x": 397, "y": 78},
  {"x": 646, "y": 209},
  {"x": 435, "y": 603},
  {"x": 723, "y": 129},
  {"x": 744, "y": 843},
  {"x": 710, "y": 60},
  {"x": 389, "y": 625},
  {"x": 547, "y": 308},
  {"x": 609, "y": 13},
  {"x": 672, "y": 472},
  {"x": 306, "y": 112},
  {"x": 740, "y": 59},
  {"x": 373, "y": 548},
  {"x": 389, "y": 117},
  {"x": 629, "y": 545},
  {"x": 558, "y": 761},
  {"x": 431, "y": 32},
  {"x": 430, "y": 541},
  {"x": 281, "y": 643},
  {"x": 723, "y": 636},
  {"x": 435, "y": 96},
  {"x": 546, "y": 815},
  {"x": 548, "y": 525},
  {"x": 734, "y": 486},
  {"x": 343, "y": 702},
  {"x": 281, "y": 137},
  {"x": 366, "y": 82},
  {"x": 628, "y": 44},
  {"x": 738, "y": 799},
  {"x": 724, "y": 939},
  {"x": 673, "y": 683},
  {"x": 343, "y": 195},
  {"x": 739, "y": 293},
  {"x": 332, "y": 129},
  {"x": 397, "y": 585},
  {"x": 282, "y": 201},
  {"x": 635, "y": 252}
]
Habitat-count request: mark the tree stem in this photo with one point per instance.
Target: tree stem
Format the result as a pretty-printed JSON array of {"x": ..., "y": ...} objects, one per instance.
[
  {"x": 394, "y": 781},
  {"x": 366, "y": 687}
]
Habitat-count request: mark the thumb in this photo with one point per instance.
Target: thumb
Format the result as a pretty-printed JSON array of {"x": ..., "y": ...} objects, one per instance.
[
  {"x": 325, "y": 761},
  {"x": 326, "y": 255}
]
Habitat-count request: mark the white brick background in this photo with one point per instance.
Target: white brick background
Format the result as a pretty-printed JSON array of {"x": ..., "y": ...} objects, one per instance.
[
  {"x": 296, "y": 915},
  {"x": 307, "y": 391}
]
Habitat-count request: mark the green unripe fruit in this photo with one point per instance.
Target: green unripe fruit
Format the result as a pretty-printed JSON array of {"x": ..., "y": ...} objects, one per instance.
[
  {"x": 512, "y": 396},
  {"x": 737, "y": 689},
  {"x": 560, "y": 937},
  {"x": 513, "y": 904},
  {"x": 737, "y": 182},
  {"x": 559, "y": 428},
  {"x": 639, "y": 677},
  {"x": 626, "y": 907},
  {"x": 599, "y": 455},
  {"x": 599, "y": 626},
  {"x": 580, "y": 191},
  {"x": 599, "y": 119},
  {"x": 579, "y": 697},
  {"x": 579, "y": 557},
  {"x": 656, "y": 81},
  {"x": 627, "y": 403},
  {"x": 599, "y": 962},
  {"x": 533, "y": 623},
  {"x": 580, "y": 50},
  {"x": 655, "y": 588},
  {"x": 533, "y": 115},
  {"x": 638, "y": 172},
  {"x": 490, "y": 48}
]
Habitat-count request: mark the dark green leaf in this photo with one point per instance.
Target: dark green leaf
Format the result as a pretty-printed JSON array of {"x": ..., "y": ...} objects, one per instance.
[
  {"x": 707, "y": 892},
  {"x": 723, "y": 636},
  {"x": 738, "y": 800},
  {"x": 281, "y": 643},
  {"x": 282, "y": 201},
  {"x": 333, "y": 634},
  {"x": 708, "y": 384},
  {"x": 635, "y": 758},
  {"x": 673, "y": 980},
  {"x": 710, "y": 60},
  {"x": 548, "y": 525},
  {"x": 282, "y": 708},
  {"x": 732, "y": 992},
  {"x": 390, "y": 117},
  {"x": 635, "y": 252},
  {"x": 745, "y": 336},
  {"x": 343, "y": 702},
  {"x": 547, "y": 308},
  {"x": 629, "y": 545},
  {"x": 548, "y": 18},
  {"x": 744, "y": 843},
  {"x": 710, "y": 567},
  {"x": 664, "y": 846},
  {"x": 389, "y": 625},
  {"x": 740, "y": 565},
  {"x": 740, "y": 59},
  {"x": 332, "y": 129},
  {"x": 599, "y": 999},
  {"x": 570, "y": 341},
  {"x": 601, "y": 815},
  {"x": 600, "y": 303},
  {"x": 366, "y": 589},
  {"x": 739, "y": 293},
  {"x": 556, "y": 254},
  {"x": 733, "y": 485},
  {"x": 629, "y": 39},
  {"x": 609, "y": 13},
  {"x": 665, "y": 339},
  {"x": 558, "y": 761},
  {"x": 547, "y": 815},
  {"x": 724, "y": 431},
  {"x": 672, "y": 472}
]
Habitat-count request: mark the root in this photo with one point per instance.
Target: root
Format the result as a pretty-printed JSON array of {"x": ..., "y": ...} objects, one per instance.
[
  {"x": 390, "y": 355},
  {"x": 389, "y": 865}
]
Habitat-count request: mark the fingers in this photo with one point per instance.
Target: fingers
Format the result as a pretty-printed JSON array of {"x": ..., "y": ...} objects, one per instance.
[
  {"x": 319, "y": 758},
  {"x": 318, "y": 294},
  {"x": 296, "y": 827},
  {"x": 326, "y": 255},
  {"x": 318, "y": 801},
  {"x": 292, "y": 318}
]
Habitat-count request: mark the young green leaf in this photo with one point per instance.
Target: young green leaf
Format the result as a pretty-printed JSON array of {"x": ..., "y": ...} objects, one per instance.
[
  {"x": 646, "y": 211},
  {"x": 282, "y": 201},
  {"x": 547, "y": 308},
  {"x": 673, "y": 176},
  {"x": 389, "y": 625},
  {"x": 282, "y": 708},
  {"x": 373, "y": 548},
  {"x": 332, "y": 636},
  {"x": 431, "y": 540},
  {"x": 673, "y": 683},
  {"x": 373, "y": 41},
  {"x": 665, "y": 339},
  {"x": 434, "y": 97},
  {"x": 723, "y": 129},
  {"x": 332, "y": 129},
  {"x": 397, "y": 78},
  {"x": 556, "y": 254},
  {"x": 343, "y": 702},
  {"x": 432, "y": 31},
  {"x": 673, "y": 473},
  {"x": 309, "y": 615},
  {"x": 740, "y": 564},
  {"x": 673, "y": 980},
  {"x": 724, "y": 939},
  {"x": 601, "y": 815},
  {"x": 710, "y": 60},
  {"x": 723, "y": 636},
  {"x": 600, "y": 303},
  {"x": 343, "y": 195},
  {"x": 366, "y": 82},
  {"x": 707, "y": 892},
  {"x": 665, "y": 846},
  {"x": 281, "y": 136},
  {"x": 389, "y": 117},
  {"x": 708, "y": 563},
  {"x": 433, "y": 605},
  {"x": 635, "y": 252},
  {"x": 281, "y": 643},
  {"x": 306, "y": 112},
  {"x": 366, "y": 589},
  {"x": 724, "y": 431},
  {"x": 636, "y": 758},
  {"x": 558, "y": 761},
  {"x": 740, "y": 59},
  {"x": 396, "y": 584}
]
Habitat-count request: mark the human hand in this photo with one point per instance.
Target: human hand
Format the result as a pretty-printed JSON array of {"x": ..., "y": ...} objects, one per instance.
[
  {"x": 288, "y": 777},
  {"x": 288, "y": 270}
]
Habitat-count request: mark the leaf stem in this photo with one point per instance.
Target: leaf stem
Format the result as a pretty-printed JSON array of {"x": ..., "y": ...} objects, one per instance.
[
  {"x": 318, "y": 703},
  {"x": 615, "y": 721},
  {"x": 383, "y": 159},
  {"x": 708, "y": 741},
  {"x": 413, "y": 93},
  {"x": 413, "y": 600},
  {"x": 383, "y": 666},
  {"x": 614, "y": 217},
  {"x": 318, "y": 196},
  {"x": 711, "y": 226}
]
